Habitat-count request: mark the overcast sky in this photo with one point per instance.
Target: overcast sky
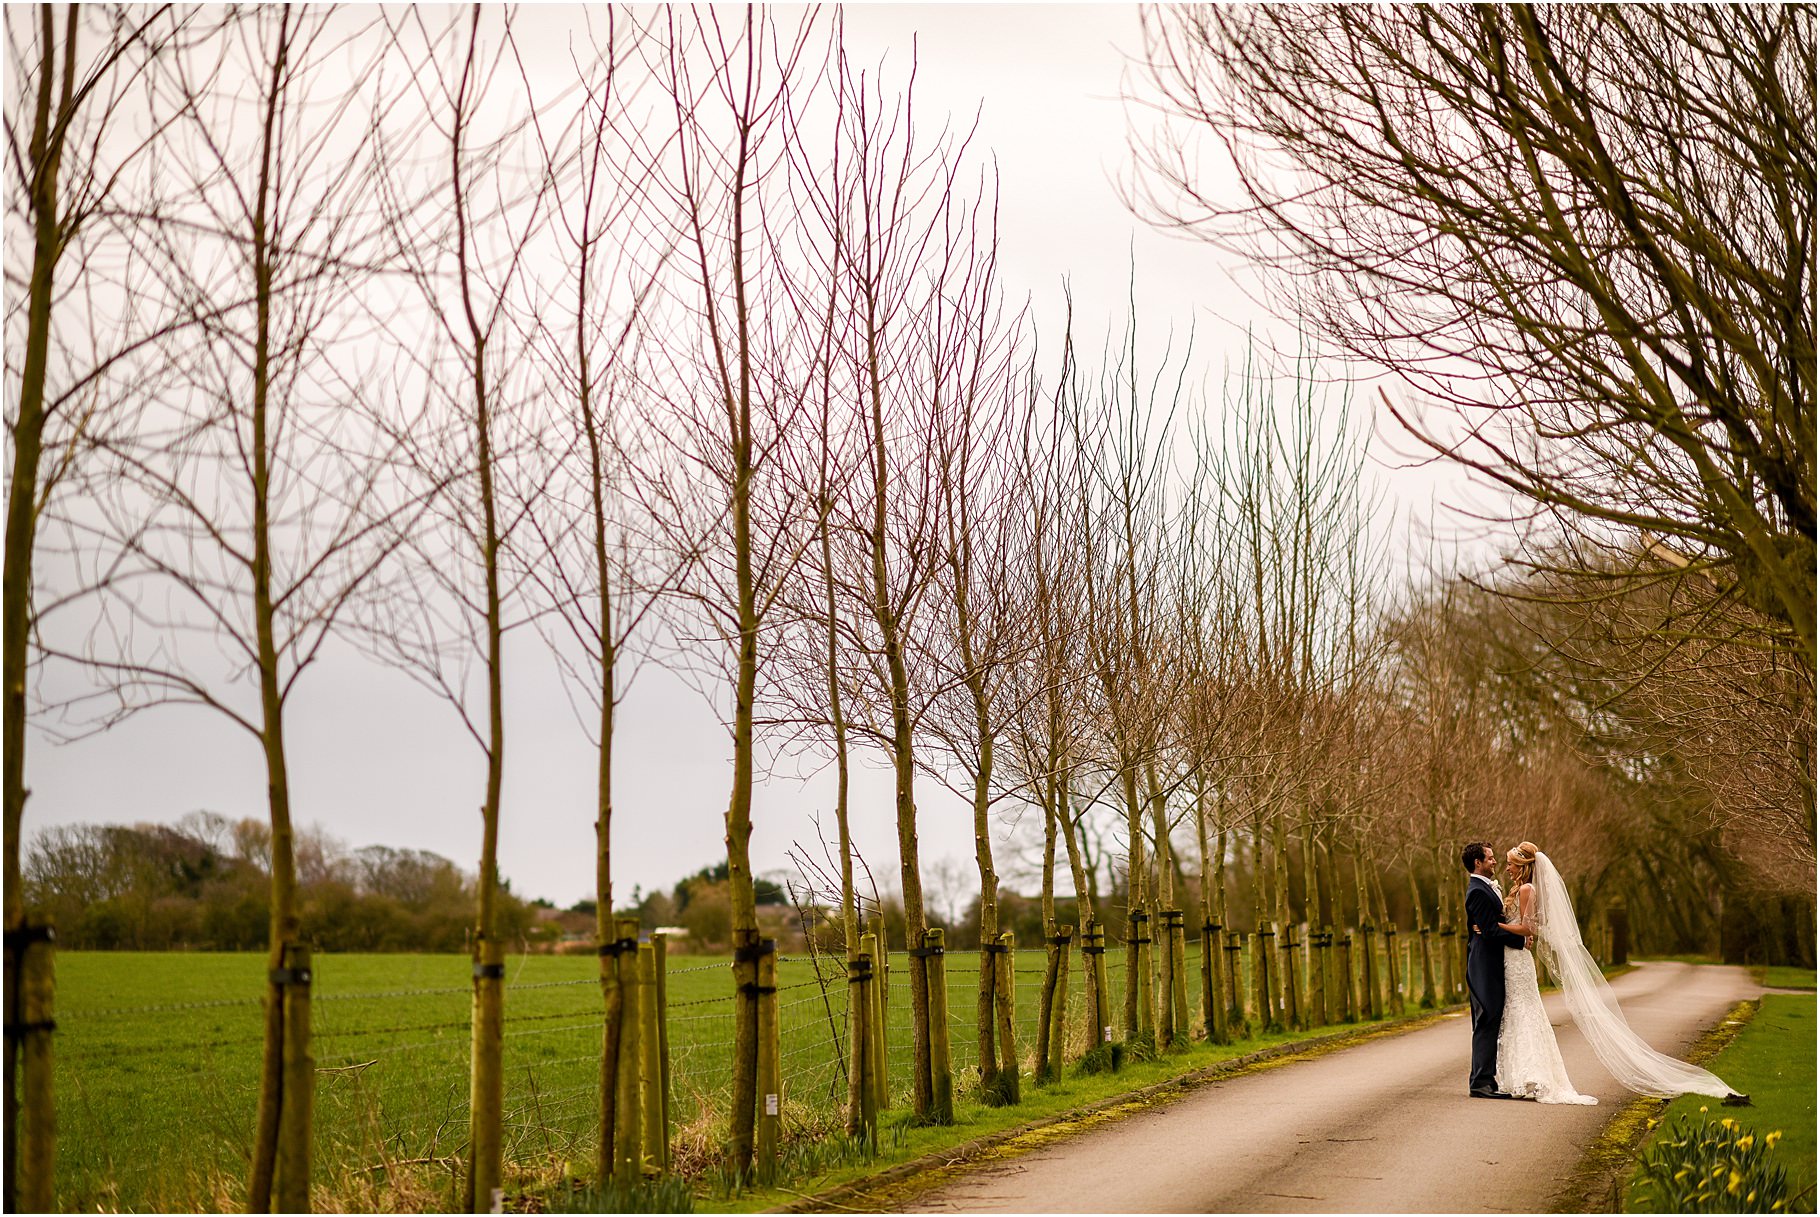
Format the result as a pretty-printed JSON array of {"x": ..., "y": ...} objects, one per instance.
[{"x": 375, "y": 760}]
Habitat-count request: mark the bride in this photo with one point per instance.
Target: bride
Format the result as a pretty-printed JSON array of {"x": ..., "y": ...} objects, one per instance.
[{"x": 1529, "y": 1061}]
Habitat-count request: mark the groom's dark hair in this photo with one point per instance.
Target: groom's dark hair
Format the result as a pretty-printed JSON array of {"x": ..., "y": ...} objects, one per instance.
[{"x": 1472, "y": 853}]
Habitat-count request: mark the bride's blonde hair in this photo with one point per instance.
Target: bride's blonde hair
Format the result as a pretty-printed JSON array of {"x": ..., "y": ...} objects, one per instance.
[{"x": 1524, "y": 855}]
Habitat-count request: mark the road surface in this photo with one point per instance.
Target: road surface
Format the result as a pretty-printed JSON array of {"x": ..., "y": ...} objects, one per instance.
[{"x": 1382, "y": 1127}]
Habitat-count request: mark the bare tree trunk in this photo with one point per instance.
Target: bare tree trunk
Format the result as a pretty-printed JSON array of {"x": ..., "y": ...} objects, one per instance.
[{"x": 49, "y": 128}]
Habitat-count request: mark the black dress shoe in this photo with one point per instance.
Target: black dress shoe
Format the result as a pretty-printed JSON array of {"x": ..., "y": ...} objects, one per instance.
[
  {"x": 1736, "y": 1100},
  {"x": 1486, "y": 1092}
]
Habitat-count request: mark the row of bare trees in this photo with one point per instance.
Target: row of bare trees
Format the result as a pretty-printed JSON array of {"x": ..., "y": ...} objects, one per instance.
[{"x": 682, "y": 336}]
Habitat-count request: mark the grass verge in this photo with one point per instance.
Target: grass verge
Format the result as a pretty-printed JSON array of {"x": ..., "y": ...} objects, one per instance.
[
  {"x": 1778, "y": 977},
  {"x": 1764, "y": 1048},
  {"x": 1772, "y": 1060}
]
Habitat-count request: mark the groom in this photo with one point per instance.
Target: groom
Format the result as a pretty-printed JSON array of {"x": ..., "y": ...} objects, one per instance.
[{"x": 1485, "y": 966}]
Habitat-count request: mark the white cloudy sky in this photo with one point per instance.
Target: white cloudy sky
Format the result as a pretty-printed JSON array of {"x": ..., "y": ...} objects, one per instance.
[{"x": 375, "y": 760}]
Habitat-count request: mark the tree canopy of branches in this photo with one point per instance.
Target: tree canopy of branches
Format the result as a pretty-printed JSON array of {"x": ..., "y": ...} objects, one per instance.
[{"x": 1587, "y": 230}]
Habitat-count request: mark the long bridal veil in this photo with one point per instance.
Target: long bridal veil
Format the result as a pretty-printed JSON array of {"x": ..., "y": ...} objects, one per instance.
[{"x": 1595, "y": 1009}]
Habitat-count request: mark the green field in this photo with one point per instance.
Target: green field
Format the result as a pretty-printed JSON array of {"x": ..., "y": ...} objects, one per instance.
[
  {"x": 157, "y": 1067},
  {"x": 1772, "y": 1060},
  {"x": 1776, "y": 976},
  {"x": 158, "y": 1056}
]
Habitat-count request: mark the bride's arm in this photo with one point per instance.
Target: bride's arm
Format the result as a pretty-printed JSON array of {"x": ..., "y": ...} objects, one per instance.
[{"x": 1525, "y": 923}]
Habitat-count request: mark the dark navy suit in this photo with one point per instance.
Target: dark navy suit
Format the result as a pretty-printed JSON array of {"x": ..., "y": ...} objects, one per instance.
[{"x": 1485, "y": 977}]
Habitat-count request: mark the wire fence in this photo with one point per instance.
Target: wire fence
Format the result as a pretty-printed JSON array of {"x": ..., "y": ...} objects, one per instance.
[{"x": 156, "y": 1099}]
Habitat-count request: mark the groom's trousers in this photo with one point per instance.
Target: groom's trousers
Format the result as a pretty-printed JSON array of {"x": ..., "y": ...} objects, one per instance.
[
  {"x": 1485, "y": 988},
  {"x": 1485, "y": 980}
]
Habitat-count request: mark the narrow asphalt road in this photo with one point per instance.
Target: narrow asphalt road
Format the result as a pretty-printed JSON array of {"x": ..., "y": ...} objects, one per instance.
[{"x": 1383, "y": 1127}]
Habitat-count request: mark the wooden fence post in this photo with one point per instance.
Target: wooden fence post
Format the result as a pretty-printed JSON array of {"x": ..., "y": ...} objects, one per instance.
[
  {"x": 1045, "y": 1006},
  {"x": 1429, "y": 995},
  {"x": 1371, "y": 1007},
  {"x": 628, "y": 1149},
  {"x": 1293, "y": 1012},
  {"x": 612, "y": 1000},
  {"x": 1321, "y": 943},
  {"x": 862, "y": 1096},
  {"x": 770, "y": 1076},
  {"x": 1447, "y": 963},
  {"x": 486, "y": 1094},
  {"x": 1144, "y": 936},
  {"x": 1004, "y": 963},
  {"x": 1103, "y": 1032},
  {"x": 1165, "y": 1014},
  {"x": 941, "y": 1059},
  {"x": 1178, "y": 945},
  {"x": 881, "y": 1010},
  {"x": 650, "y": 1071},
  {"x": 31, "y": 985},
  {"x": 1393, "y": 957},
  {"x": 1235, "y": 985},
  {"x": 1099, "y": 1052},
  {"x": 1055, "y": 1041},
  {"x": 1213, "y": 982},
  {"x": 1092, "y": 1001},
  {"x": 1348, "y": 982},
  {"x": 879, "y": 1076},
  {"x": 1263, "y": 978},
  {"x": 291, "y": 1182},
  {"x": 661, "y": 948}
]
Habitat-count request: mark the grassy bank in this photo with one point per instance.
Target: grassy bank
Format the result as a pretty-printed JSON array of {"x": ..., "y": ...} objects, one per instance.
[{"x": 1772, "y": 1060}]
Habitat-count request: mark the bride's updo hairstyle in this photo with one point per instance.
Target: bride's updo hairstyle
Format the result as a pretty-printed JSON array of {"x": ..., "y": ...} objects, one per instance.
[{"x": 1524, "y": 855}]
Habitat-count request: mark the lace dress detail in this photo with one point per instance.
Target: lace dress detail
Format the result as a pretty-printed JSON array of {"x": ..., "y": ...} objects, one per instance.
[{"x": 1529, "y": 1060}]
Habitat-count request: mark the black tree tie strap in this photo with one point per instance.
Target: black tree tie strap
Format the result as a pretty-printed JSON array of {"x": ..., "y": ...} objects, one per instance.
[
  {"x": 26, "y": 934},
  {"x": 489, "y": 971},
  {"x": 755, "y": 952},
  {"x": 286, "y": 977},
  {"x": 756, "y": 990}
]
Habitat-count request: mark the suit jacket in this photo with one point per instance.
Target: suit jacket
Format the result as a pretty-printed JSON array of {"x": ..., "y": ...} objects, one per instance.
[{"x": 1485, "y": 954}]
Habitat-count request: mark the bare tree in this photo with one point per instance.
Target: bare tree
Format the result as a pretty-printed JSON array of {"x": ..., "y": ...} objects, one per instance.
[
  {"x": 1124, "y": 418},
  {"x": 977, "y": 638},
  {"x": 736, "y": 381},
  {"x": 252, "y": 502},
  {"x": 459, "y": 221},
  {"x": 598, "y": 559},
  {"x": 74, "y": 337},
  {"x": 1587, "y": 232}
]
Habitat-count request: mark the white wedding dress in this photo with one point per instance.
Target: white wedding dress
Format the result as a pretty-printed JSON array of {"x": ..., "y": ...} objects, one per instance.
[
  {"x": 1533, "y": 1066},
  {"x": 1529, "y": 1059}
]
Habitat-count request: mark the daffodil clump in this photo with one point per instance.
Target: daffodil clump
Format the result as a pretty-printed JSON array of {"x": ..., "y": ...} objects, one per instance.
[{"x": 1698, "y": 1166}]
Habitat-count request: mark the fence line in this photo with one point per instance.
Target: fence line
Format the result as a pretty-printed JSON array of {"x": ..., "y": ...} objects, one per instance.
[{"x": 386, "y": 1093}]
